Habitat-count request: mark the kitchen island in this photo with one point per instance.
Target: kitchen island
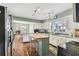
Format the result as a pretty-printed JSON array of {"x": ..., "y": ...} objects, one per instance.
[
  {"x": 42, "y": 43},
  {"x": 38, "y": 44}
]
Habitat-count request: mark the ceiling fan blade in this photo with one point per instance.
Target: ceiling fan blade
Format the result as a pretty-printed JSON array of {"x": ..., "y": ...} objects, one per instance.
[
  {"x": 35, "y": 11},
  {"x": 33, "y": 14}
]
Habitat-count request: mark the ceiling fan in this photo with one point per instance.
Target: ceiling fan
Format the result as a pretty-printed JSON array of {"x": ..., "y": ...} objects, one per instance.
[{"x": 36, "y": 10}]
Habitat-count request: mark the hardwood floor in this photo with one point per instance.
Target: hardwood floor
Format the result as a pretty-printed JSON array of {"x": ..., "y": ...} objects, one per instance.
[{"x": 30, "y": 50}]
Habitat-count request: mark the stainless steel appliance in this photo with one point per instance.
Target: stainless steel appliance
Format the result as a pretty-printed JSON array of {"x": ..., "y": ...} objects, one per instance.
[{"x": 5, "y": 30}]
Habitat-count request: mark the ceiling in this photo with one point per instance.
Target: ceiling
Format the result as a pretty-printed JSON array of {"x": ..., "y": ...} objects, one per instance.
[{"x": 26, "y": 9}]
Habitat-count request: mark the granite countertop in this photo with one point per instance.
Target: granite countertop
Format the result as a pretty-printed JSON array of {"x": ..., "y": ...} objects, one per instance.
[
  {"x": 71, "y": 42},
  {"x": 65, "y": 39},
  {"x": 68, "y": 37}
]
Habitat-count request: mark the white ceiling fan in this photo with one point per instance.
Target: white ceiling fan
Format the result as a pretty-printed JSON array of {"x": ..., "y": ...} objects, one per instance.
[{"x": 36, "y": 10}]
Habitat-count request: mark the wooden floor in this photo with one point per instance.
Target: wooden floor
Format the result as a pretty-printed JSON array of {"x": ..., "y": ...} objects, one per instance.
[
  {"x": 29, "y": 49},
  {"x": 33, "y": 52},
  {"x": 52, "y": 51}
]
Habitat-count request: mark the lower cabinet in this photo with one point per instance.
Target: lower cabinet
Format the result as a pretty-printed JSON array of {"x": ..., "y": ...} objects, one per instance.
[
  {"x": 43, "y": 46},
  {"x": 72, "y": 49},
  {"x": 78, "y": 50}
]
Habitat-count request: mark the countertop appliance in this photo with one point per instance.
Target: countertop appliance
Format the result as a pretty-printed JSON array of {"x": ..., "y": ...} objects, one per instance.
[{"x": 40, "y": 31}]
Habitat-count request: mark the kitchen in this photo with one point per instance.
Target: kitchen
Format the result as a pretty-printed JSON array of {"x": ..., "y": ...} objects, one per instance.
[{"x": 45, "y": 28}]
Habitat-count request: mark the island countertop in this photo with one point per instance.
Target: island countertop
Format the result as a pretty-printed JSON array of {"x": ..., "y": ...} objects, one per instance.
[{"x": 39, "y": 36}]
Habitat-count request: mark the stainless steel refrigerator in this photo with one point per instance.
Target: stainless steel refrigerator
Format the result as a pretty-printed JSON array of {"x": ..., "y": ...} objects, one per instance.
[{"x": 5, "y": 31}]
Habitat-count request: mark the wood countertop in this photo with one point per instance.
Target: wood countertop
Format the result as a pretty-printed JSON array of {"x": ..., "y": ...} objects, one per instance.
[{"x": 39, "y": 36}]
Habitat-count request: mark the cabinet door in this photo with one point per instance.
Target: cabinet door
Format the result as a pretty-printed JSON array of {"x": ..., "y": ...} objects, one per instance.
[
  {"x": 72, "y": 48},
  {"x": 78, "y": 50},
  {"x": 68, "y": 46}
]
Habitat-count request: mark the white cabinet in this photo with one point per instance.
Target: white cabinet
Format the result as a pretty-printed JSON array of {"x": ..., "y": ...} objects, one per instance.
[
  {"x": 37, "y": 26},
  {"x": 31, "y": 29}
]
